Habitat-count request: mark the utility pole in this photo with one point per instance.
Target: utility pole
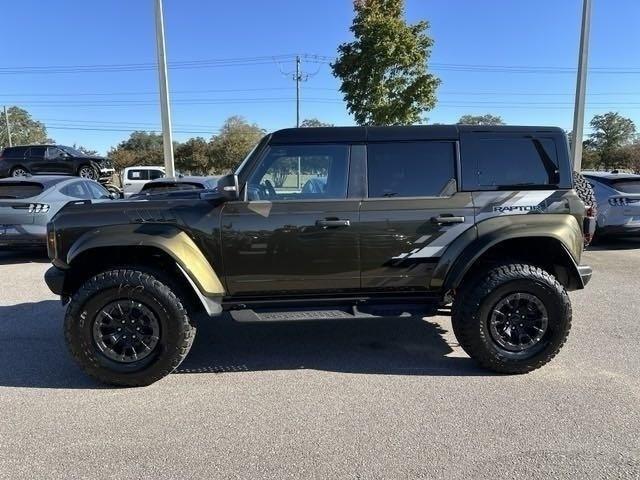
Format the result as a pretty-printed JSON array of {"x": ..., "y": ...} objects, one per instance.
[
  {"x": 581, "y": 86},
  {"x": 6, "y": 119},
  {"x": 167, "y": 140},
  {"x": 298, "y": 79}
]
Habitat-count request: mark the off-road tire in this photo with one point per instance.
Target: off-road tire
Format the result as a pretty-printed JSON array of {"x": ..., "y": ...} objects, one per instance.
[
  {"x": 479, "y": 295},
  {"x": 584, "y": 190},
  {"x": 176, "y": 330}
]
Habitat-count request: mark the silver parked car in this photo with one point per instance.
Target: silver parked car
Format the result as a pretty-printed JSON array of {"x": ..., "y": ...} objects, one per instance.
[
  {"x": 28, "y": 203},
  {"x": 618, "y": 199}
]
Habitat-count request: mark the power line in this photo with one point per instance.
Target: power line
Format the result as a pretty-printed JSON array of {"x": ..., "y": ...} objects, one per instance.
[{"x": 309, "y": 58}]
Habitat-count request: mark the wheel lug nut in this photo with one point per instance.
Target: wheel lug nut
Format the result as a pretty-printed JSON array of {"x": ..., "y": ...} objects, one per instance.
[
  {"x": 124, "y": 336},
  {"x": 138, "y": 329},
  {"x": 119, "y": 329}
]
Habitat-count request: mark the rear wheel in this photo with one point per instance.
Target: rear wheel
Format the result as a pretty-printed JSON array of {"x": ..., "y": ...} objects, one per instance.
[
  {"x": 125, "y": 327},
  {"x": 513, "y": 318},
  {"x": 19, "y": 172}
]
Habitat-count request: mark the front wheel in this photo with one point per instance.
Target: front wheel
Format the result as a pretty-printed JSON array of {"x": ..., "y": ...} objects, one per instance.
[
  {"x": 512, "y": 319},
  {"x": 87, "y": 171},
  {"x": 125, "y": 327}
]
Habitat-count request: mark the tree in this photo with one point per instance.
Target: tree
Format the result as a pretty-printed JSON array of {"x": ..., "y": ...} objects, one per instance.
[
  {"x": 194, "y": 156},
  {"x": 486, "y": 119},
  {"x": 236, "y": 139},
  {"x": 611, "y": 132},
  {"x": 141, "y": 148},
  {"x": 314, "y": 122},
  {"x": 24, "y": 129},
  {"x": 633, "y": 156},
  {"x": 384, "y": 70}
]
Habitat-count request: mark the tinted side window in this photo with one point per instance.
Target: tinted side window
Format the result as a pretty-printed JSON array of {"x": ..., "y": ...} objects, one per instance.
[
  {"x": 76, "y": 190},
  {"x": 53, "y": 152},
  {"x": 138, "y": 175},
  {"x": 297, "y": 172},
  {"x": 97, "y": 190},
  {"x": 502, "y": 161},
  {"x": 410, "y": 169},
  {"x": 37, "y": 152},
  {"x": 153, "y": 174},
  {"x": 14, "y": 152}
]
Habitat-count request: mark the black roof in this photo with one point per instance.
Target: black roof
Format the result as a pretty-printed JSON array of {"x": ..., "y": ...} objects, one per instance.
[{"x": 409, "y": 132}]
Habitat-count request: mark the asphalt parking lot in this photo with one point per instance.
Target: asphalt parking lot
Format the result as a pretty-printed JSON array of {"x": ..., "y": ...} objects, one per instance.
[{"x": 388, "y": 398}]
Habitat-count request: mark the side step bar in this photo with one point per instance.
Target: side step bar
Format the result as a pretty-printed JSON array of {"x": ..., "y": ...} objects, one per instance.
[{"x": 247, "y": 315}]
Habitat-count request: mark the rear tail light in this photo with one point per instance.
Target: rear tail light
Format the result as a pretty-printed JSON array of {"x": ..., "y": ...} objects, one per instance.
[
  {"x": 33, "y": 207},
  {"x": 618, "y": 201}
]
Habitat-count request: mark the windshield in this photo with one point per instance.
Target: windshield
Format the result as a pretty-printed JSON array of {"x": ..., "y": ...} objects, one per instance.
[
  {"x": 246, "y": 159},
  {"x": 72, "y": 151}
]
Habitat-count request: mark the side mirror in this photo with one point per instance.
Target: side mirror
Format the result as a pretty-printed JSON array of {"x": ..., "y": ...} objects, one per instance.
[
  {"x": 114, "y": 196},
  {"x": 228, "y": 187}
]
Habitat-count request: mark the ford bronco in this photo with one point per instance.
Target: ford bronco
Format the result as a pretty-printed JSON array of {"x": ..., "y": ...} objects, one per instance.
[{"x": 330, "y": 223}]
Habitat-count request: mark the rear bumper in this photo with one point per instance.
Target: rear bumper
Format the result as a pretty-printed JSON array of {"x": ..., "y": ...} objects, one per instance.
[
  {"x": 54, "y": 278},
  {"x": 627, "y": 230},
  {"x": 23, "y": 235},
  {"x": 585, "y": 272}
]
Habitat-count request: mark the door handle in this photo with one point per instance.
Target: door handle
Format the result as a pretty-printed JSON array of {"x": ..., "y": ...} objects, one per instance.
[
  {"x": 446, "y": 219},
  {"x": 332, "y": 223}
]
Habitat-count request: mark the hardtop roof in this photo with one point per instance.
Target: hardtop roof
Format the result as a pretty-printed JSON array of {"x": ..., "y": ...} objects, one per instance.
[{"x": 395, "y": 133}]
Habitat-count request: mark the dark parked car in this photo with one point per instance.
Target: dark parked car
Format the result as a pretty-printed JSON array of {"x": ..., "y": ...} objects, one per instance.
[
  {"x": 172, "y": 185},
  {"x": 28, "y": 203},
  {"x": 52, "y": 159},
  {"x": 405, "y": 219}
]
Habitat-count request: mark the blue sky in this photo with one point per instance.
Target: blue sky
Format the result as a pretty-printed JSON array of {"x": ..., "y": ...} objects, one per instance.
[{"x": 98, "y": 108}]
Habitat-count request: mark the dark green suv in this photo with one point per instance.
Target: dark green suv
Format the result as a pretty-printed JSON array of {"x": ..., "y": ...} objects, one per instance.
[{"x": 329, "y": 223}]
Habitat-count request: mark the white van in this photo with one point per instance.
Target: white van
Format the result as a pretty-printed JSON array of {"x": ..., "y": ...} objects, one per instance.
[{"x": 133, "y": 178}]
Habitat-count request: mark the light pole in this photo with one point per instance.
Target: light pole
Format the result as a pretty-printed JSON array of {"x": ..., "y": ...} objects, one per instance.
[
  {"x": 581, "y": 86},
  {"x": 167, "y": 140}
]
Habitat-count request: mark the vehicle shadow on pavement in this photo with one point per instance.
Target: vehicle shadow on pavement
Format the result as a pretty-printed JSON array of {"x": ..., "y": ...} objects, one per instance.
[
  {"x": 33, "y": 353},
  {"x": 391, "y": 346},
  {"x": 18, "y": 256},
  {"x": 32, "y": 349}
]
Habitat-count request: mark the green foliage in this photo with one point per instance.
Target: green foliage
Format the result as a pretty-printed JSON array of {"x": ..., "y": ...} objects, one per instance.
[
  {"x": 24, "y": 129},
  {"x": 194, "y": 156},
  {"x": 384, "y": 70},
  {"x": 314, "y": 122},
  {"x": 141, "y": 148},
  {"x": 486, "y": 119},
  {"x": 611, "y": 134},
  {"x": 236, "y": 139}
]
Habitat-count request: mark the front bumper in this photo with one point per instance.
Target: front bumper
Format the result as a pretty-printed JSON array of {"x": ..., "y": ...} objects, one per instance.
[
  {"x": 585, "y": 272},
  {"x": 54, "y": 278}
]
